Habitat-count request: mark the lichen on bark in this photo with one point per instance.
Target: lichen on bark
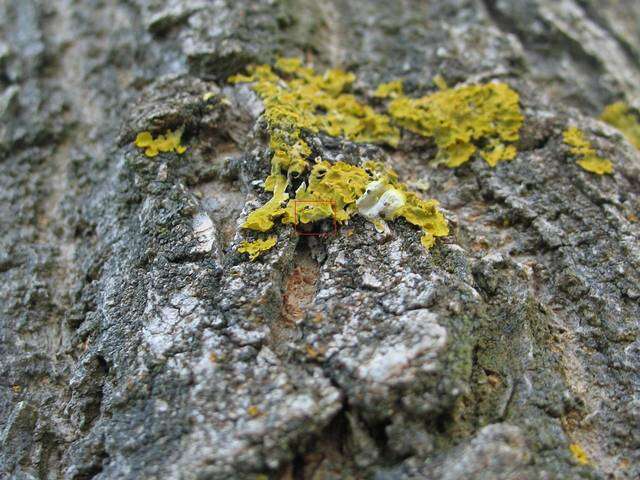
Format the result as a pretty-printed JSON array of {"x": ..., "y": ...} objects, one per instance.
[{"x": 138, "y": 343}]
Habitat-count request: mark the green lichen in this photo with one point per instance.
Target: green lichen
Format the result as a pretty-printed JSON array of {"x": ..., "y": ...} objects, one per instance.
[
  {"x": 620, "y": 116},
  {"x": 581, "y": 148},
  {"x": 257, "y": 247},
  {"x": 464, "y": 120},
  {"x": 169, "y": 142}
]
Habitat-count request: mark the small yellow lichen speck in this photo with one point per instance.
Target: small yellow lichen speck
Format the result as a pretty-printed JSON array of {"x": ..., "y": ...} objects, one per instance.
[
  {"x": 169, "y": 142},
  {"x": 253, "y": 411},
  {"x": 620, "y": 116},
  {"x": 579, "y": 454},
  {"x": 208, "y": 96},
  {"x": 312, "y": 352},
  {"x": 257, "y": 247},
  {"x": 464, "y": 120},
  {"x": 440, "y": 82},
  {"x": 587, "y": 156}
]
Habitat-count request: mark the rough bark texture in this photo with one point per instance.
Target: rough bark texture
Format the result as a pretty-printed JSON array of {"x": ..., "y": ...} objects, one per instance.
[{"x": 136, "y": 341}]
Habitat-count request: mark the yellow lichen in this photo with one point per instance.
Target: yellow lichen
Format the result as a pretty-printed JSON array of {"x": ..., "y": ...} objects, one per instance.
[
  {"x": 620, "y": 116},
  {"x": 297, "y": 101},
  {"x": 440, "y": 82},
  {"x": 579, "y": 454},
  {"x": 587, "y": 157},
  {"x": 257, "y": 247},
  {"x": 464, "y": 120},
  {"x": 339, "y": 190},
  {"x": 389, "y": 90},
  {"x": 263, "y": 218},
  {"x": 253, "y": 411},
  {"x": 337, "y": 186},
  {"x": 169, "y": 142},
  {"x": 426, "y": 215}
]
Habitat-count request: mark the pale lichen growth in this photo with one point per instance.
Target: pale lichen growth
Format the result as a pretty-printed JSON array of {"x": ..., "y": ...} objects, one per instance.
[
  {"x": 257, "y": 247},
  {"x": 169, "y": 142},
  {"x": 378, "y": 202},
  {"x": 387, "y": 199},
  {"x": 579, "y": 454},
  {"x": 587, "y": 156},
  {"x": 620, "y": 116},
  {"x": 464, "y": 120}
]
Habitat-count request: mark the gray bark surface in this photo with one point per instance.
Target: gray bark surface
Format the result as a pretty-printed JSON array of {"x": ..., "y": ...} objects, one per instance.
[{"x": 136, "y": 343}]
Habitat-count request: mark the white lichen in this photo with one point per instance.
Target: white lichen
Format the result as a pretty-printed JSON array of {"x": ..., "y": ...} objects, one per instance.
[{"x": 379, "y": 202}]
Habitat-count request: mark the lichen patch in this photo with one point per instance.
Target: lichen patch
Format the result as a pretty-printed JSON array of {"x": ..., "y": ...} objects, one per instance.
[
  {"x": 297, "y": 100},
  {"x": 587, "y": 157},
  {"x": 257, "y": 247},
  {"x": 619, "y": 115},
  {"x": 579, "y": 454},
  {"x": 465, "y": 120},
  {"x": 169, "y": 142}
]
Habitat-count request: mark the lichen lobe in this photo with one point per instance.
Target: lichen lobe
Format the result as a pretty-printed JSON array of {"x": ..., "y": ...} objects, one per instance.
[
  {"x": 257, "y": 247},
  {"x": 587, "y": 157},
  {"x": 169, "y": 142}
]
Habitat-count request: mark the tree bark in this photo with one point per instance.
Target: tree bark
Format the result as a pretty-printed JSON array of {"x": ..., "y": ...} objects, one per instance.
[{"x": 138, "y": 343}]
